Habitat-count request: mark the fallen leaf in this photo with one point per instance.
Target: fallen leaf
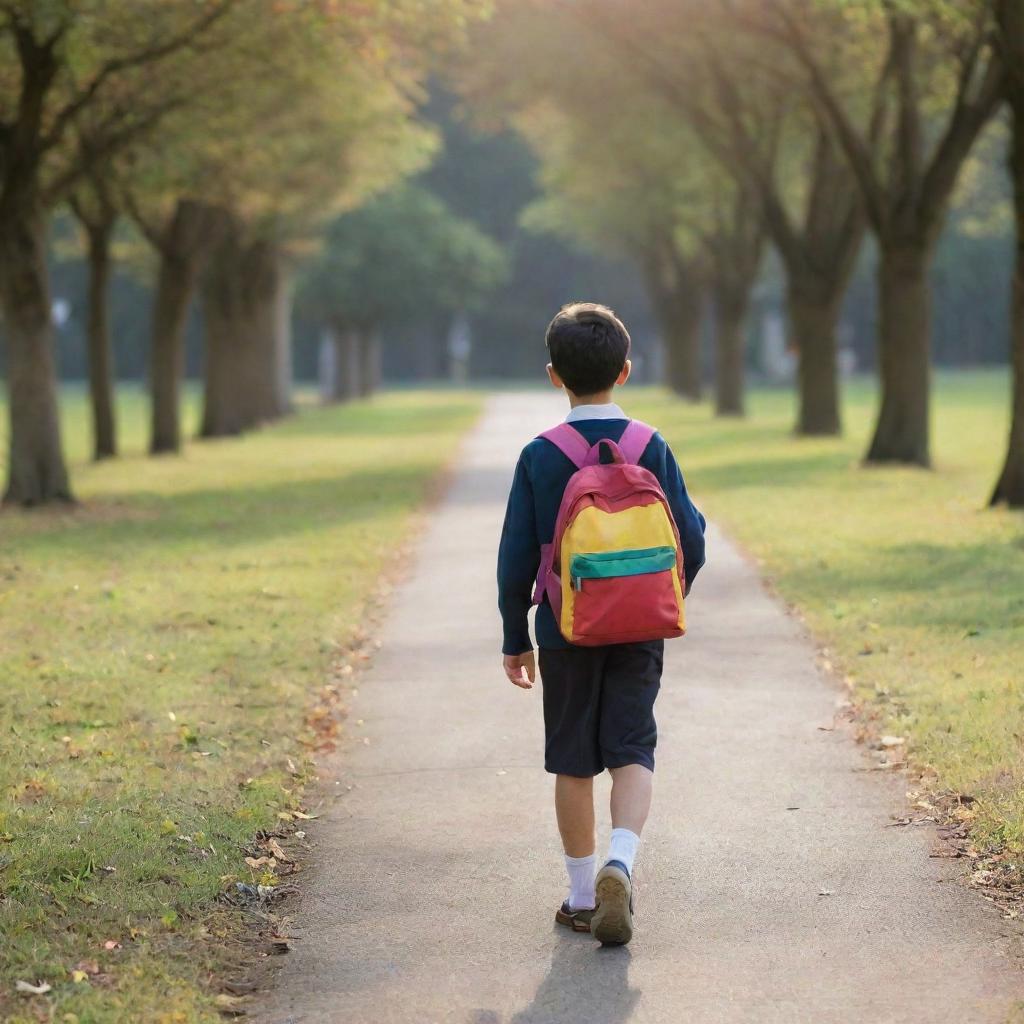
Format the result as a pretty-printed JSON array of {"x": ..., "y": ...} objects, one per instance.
[
  {"x": 275, "y": 848},
  {"x": 111, "y": 944},
  {"x": 304, "y": 817},
  {"x": 231, "y": 1005},
  {"x": 892, "y": 741},
  {"x": 34, "y": 990},
  {"x": 79, "y": 976}
]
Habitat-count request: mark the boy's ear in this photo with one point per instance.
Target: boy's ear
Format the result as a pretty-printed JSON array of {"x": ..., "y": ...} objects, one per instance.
[
  {"x": 556, "y": 381},
  {"x": 627, "y": 367}
]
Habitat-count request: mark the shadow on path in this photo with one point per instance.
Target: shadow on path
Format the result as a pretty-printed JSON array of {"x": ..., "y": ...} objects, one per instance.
[{"x": 584, "y": 984}]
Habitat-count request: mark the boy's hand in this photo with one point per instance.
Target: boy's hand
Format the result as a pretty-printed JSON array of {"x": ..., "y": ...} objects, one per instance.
[{"x": 521, "y": 669}]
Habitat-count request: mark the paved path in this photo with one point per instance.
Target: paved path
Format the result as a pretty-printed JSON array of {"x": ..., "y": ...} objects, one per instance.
[{"x": 440, "y": 871}]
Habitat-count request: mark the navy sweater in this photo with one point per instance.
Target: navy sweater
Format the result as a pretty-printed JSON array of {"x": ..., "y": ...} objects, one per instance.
[{"x": 540, "y": 480}]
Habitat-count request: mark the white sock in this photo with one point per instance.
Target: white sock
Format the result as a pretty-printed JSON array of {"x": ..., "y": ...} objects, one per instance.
[
  {"x": 623, "y": 847},
  {"x": 581, "y": 881}
]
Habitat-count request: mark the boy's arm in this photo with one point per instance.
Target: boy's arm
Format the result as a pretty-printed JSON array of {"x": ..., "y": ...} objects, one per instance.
[
  {"x": 689, "y": 521},
  {"x": 518, "y": 561}
]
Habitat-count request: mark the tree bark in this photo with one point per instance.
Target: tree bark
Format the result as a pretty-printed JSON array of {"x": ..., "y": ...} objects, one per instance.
[
  {"x": 734, "y": 249},
  {"x": 679, "y": 307},
  {"x": 348, "y": 374},
  {"x": 182, "y": 247},
  {"x": 682, "y": 348},
  {"x": 813, "y": 319},
  {"x": 283, "y": 378},
  {"x": 101, "y": 354},
  {"x": 174, "y": 288},
  {"x": 730, "y": 352},
  {"x": 243, "y": 342},
  {"x": 819, "y": 254},
  {"x": 902, "y": 431},
  {"x": 36, "y": 472},
  {"x": 369, "y": 361},
  {"x": 1010, "y": 486}
]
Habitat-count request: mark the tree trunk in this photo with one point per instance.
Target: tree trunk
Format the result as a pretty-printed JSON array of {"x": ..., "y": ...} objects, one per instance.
[
  {"x": 183, "y": 247},
  {"x": 370, "y": 361},
  {"x": 174, "y": 288},
  {"x": 243, "y": 343},
  {"x": 1010, "y": 486},
  {"x": 730, "y": 354},
  {"x": 101, "y": 355},
  {"x": 36, "y": 472},
  {"x": 680, "y": 313},
  {"x": 813, "y": 318},
  {"x": 901, "y": 434},
  {"x": 283, "y": 377},
  {"x": 348, "y": 375}
]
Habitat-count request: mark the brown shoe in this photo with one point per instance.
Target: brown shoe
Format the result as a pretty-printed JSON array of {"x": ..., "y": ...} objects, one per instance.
[
  {"x": 577, "y": 920},
  {"x": 612, "y": 923}
]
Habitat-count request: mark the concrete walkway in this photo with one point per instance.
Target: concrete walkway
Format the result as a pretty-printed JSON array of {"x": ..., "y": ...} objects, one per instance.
[{"x": 769, "y": 887}]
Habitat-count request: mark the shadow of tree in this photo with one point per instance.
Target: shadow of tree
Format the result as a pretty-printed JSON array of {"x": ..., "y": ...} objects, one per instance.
[
  {"x": 227, "y": 517},
  {"x": 924, "y": 583}
]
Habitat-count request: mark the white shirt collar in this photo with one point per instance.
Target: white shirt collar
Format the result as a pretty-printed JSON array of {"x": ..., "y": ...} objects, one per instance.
[{"x": 605, "y": 411}]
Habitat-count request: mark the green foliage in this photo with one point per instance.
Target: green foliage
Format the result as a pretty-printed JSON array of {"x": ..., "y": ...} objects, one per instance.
[
  {"x": 382, "y": 264},
  {"x": 162, "y": 647}
]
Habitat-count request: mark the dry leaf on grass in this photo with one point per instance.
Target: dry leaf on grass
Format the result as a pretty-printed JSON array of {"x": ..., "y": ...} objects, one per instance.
[
  {"x": 231, "y": 1006},
  {"x": 275, "y": 848},
  {"x": 29, "y": 989}
]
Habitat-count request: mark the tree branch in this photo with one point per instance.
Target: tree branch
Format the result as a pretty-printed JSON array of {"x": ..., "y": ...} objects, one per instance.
[
  {"x": 966, "y": 123},
  {"x": 857, "y": 150},
  {"x": 150, "y": 232},
  {"x": 149, "y": 55},
  {"x": 907, "y": 154},
  {"x": 104, "y": 142}
]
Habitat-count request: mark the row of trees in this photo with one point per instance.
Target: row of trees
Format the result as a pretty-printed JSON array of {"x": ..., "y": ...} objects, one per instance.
[
  {"x": 230, "y": 132},
  {"x": 398, "y": 257},
  {"x": 687, "y": 135}
]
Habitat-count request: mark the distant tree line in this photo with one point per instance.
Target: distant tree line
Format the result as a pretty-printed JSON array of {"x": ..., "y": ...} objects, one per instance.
[
  {"x": 229, "y": 132},
  {"x": 691, "y": 136},
  {"x": 245, "y": 154}
]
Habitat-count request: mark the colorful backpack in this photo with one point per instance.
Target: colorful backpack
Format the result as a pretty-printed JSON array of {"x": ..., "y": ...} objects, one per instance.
[{"x": 613, "y": 572}]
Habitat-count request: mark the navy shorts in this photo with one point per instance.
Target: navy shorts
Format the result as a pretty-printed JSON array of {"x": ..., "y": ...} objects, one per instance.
[{"x": 599, "y": 706}]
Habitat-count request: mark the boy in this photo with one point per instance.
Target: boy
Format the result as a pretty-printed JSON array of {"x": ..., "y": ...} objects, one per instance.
[{"x": 598, "y": 701}]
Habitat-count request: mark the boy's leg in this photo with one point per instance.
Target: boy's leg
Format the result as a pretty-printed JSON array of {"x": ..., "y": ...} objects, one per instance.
[
  {"x": 632, "y": 787},
  {"x": 574, "y": 808},
  {"x": 571, "y": 680},
  {"x": 629, "y": 733},
  {"x": 628, "y": 738}
]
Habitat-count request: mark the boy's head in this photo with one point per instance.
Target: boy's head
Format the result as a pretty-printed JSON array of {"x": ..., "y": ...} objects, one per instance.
[{"x": 589, "y": 349}]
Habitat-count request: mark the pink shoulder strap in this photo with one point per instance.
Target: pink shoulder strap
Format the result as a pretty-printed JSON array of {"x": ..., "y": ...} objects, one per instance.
[
  {"x": 570, "y": 442},
  {"x": 575, "y": 447},
  {"x": 634, "y": 441}
]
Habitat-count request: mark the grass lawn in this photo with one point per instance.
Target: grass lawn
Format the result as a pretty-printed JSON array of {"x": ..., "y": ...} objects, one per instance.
[
  {"x": 161, "y": 652},
  {"x": 915, "y": 588}
]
